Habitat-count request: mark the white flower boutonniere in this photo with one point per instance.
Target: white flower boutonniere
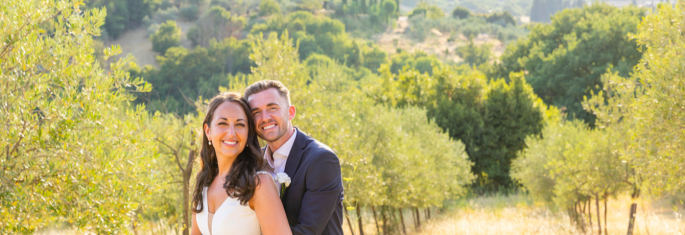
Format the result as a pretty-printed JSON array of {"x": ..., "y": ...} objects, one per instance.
[{"x": 284, "y": 180}]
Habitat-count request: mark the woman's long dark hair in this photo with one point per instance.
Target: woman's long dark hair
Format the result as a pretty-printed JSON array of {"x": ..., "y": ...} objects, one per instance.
[{"x": 241, "y": 181}]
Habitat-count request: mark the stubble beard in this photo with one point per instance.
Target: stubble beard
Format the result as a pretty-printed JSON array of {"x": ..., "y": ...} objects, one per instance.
[{"x": 281, "y": 132}]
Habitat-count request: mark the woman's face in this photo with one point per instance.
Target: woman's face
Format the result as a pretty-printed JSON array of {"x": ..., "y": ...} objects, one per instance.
[{"x": 228, "y": 130}]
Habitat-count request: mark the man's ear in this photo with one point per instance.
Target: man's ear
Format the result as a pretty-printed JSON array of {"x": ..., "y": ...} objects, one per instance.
[{"x": 291, "y": 112}]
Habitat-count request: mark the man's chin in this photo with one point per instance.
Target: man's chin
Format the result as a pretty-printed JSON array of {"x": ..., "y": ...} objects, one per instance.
[{"x": 270, "y": 137}]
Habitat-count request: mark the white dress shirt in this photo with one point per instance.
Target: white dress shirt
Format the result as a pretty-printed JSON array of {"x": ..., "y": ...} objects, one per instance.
[{"x": 280, "y": 157}]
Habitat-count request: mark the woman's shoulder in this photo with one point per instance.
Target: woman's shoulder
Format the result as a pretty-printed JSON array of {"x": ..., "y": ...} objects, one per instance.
[{"x": 265, "y": 174}]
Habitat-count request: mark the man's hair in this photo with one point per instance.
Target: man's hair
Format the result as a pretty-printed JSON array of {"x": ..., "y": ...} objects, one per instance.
[{"x": 265, "y": 85}]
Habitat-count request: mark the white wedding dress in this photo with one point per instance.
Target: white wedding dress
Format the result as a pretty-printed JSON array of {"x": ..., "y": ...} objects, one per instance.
[{"x": 229, "y": 218}]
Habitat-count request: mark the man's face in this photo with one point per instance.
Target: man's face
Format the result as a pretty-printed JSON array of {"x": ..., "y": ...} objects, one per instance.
[{"x": 272, "y": 114}]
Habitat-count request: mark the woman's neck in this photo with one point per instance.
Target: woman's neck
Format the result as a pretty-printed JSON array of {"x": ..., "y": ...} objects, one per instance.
[{"x": 225, "y": 163}]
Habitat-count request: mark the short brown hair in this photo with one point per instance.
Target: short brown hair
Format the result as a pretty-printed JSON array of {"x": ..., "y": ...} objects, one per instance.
[{"x": 265, "y": 85}]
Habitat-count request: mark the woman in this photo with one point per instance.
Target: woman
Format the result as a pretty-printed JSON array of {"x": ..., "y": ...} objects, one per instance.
[{"x": 232, "y": 194}]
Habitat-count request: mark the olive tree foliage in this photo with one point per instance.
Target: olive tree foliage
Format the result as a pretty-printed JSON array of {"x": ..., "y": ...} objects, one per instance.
[
  {"x": 573, "y": 165},
  {"x": 389, "y": 156},
  {"x": 73, "y": 150},
  {"x": 637, "y": 141},
  {"x": 492, "y": 118},
  {"x": 178, "y": 140},
  {"x": 648, "y": 107}
]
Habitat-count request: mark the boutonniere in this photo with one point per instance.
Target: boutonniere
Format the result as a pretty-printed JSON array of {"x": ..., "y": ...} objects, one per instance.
[{"x": 284, "y": 180}]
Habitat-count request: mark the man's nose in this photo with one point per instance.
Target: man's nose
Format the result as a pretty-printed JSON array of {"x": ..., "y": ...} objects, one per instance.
[{"x": 264, "y": 116}]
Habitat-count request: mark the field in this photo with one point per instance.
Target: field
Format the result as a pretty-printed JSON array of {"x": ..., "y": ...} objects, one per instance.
[{"x": 518, "y": 214}]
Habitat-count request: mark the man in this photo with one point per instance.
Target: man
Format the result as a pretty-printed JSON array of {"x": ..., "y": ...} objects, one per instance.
[{"x": 313, "y": 201}]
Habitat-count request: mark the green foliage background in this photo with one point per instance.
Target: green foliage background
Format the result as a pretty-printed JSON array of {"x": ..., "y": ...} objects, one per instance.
[{"x": 113, "y": 151}]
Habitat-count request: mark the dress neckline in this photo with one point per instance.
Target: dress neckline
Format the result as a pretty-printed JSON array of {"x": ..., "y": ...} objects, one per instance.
[{"x": 210, "y": 222}]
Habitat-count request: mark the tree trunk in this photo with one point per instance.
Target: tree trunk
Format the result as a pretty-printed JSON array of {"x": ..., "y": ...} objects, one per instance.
[
  {"x": 606, "y": 228},
  {"x": 385, "y": 220},
  {"x": 599, "y": 219},
  {"x": 359, "y": 218},
  {"x": 187, "y": 172},
  {"x": 394, "y": 220},
  {"x": 418, "y": 219},
  {"x": 404, "y": 229},
  {"x": 633, "y": 210},
  {"x": 589, "y": 213},
  {"x": 429, "y": 212},
  {"x": 375, "y": 219},
  {"x": 413, "y": 216},
  {"x": 347, "y": 215},
  {"x": 576, "y": 217},
  {"x": 186, "y": 197}
]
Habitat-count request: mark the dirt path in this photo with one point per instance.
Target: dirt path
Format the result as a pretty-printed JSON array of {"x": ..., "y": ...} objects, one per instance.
[{"x": 135, "y": 42}]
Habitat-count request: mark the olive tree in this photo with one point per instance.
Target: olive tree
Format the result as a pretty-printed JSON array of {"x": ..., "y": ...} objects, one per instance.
[{"x": 74, "y": 151}]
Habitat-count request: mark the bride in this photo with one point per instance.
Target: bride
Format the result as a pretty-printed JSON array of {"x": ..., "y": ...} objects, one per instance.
[{"x": 232, "y": 194}]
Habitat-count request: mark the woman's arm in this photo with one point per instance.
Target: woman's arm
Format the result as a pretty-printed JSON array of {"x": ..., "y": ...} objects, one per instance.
[
  {"x": 195, "y": 230},
  {"x": 269, "y": 209}
]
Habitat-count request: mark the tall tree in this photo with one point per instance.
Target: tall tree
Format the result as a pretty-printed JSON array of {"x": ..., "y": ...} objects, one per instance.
[
  {"x": 492, "y": 118},
  {"x": 565, "y": 59},
  {"x": 74, "y": 150}
]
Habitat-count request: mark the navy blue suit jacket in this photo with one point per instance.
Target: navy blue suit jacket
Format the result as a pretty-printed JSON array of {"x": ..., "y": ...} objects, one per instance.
[{"x": 313, "y": 201}]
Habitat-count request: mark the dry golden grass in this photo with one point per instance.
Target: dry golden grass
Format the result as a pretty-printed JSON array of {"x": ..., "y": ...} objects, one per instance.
[
  {"x": 516, "y": 214},
  {"x": 519, "y": 215}
]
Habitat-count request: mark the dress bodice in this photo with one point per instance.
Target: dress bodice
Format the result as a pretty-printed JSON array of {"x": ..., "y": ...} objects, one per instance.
[{"x": 230, "y": 218}]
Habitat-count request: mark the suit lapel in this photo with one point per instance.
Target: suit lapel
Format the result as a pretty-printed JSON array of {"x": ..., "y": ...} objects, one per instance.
[{"x": 295, "y": 155}]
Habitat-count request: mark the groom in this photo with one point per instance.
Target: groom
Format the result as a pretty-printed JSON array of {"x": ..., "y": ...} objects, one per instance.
[{"x": 313, "y": 201}]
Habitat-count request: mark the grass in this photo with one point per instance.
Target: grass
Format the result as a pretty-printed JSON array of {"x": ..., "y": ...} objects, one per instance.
[
  {"x": 498, "y": 214},
  {"x": 518, "y": 214}
]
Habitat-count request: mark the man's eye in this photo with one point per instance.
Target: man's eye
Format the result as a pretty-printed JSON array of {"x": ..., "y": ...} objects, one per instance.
[{"x": 255, "y": 113}]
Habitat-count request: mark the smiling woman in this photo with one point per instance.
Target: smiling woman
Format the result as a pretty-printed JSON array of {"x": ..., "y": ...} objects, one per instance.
[
  {"x": 232, "y": 193},
  {"x": 228, "y": 131}
]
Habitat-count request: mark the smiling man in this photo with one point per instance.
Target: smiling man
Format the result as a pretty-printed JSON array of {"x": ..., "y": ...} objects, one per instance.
[{"x": 313, "y": 201}]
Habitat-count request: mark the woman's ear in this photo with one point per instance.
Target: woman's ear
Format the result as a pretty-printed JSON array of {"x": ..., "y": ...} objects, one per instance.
[{"x": 206, "y": 127}]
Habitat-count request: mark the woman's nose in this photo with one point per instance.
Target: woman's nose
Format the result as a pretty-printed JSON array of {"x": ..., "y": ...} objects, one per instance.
[{"x": 231, "y": 131}]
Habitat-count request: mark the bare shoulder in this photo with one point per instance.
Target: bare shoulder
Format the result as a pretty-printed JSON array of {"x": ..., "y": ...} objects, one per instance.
[{"x": 264, "y": 178}]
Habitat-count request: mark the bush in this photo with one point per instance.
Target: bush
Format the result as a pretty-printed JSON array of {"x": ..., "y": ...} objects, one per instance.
[
  {"x": 502, "y": 18},
  {"x": 474, "y": 55},
  {"x": 168, "y": 35},
  {"x": 216, "y": 24},
  {"x": 152, "y": 29},
  {"x": 269, "y": 7},
  {"x": 461, "y": 13},
  {"x": 189, "y": 12}
]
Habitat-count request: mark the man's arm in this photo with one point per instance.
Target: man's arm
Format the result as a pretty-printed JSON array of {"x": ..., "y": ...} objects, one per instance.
[{"x": 322, "y": 194}]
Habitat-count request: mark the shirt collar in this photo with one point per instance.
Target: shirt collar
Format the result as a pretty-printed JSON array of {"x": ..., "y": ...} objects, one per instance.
[
  {"x": 281, "y": 152},
  {"x": 288, "y": 145}
]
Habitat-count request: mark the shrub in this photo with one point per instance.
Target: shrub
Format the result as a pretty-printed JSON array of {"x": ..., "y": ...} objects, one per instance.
[
  {"x": 461, "y": 13},
  {"x": 168, "y": 35},
  {"x": 189, "y": 12}
]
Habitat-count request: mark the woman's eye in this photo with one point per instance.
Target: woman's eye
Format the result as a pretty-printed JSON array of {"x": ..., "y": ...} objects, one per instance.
[{"x": 240, "y": 124}]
